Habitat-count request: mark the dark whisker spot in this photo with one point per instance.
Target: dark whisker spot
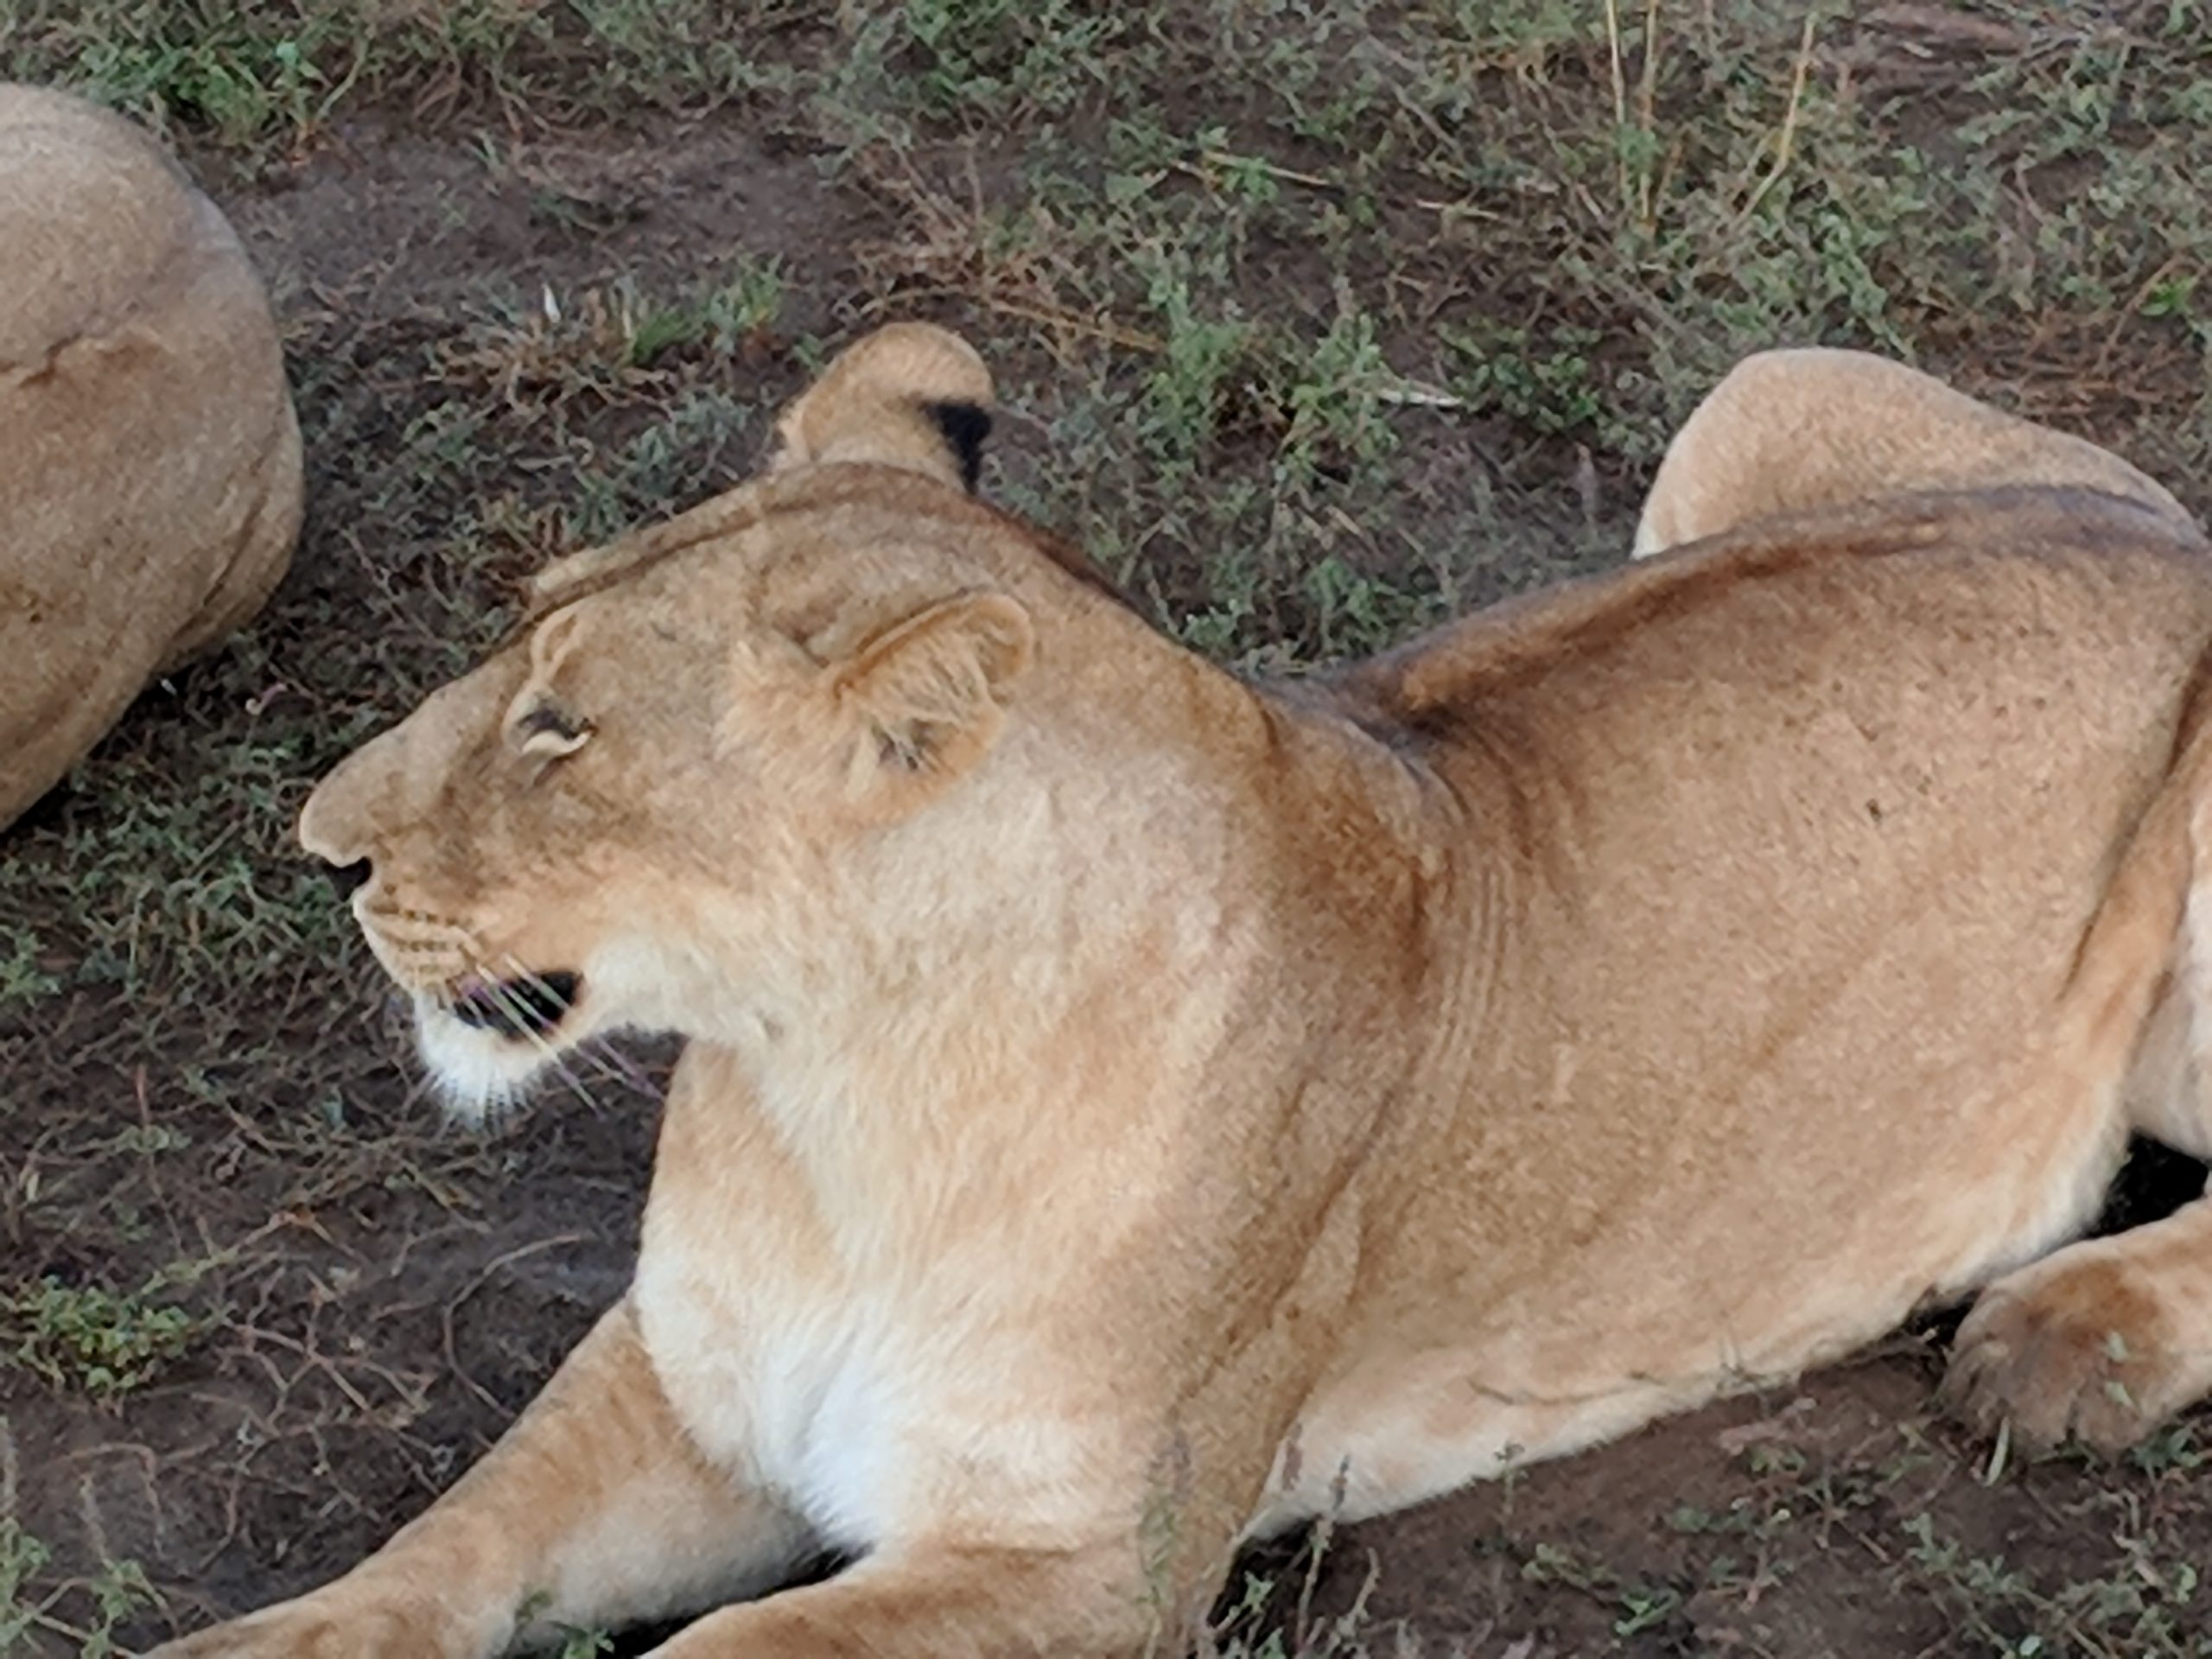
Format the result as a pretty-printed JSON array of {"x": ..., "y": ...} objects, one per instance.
[{"x": 529, "y": 1005}]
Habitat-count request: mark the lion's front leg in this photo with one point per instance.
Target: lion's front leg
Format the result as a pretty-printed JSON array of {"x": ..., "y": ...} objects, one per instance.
[
  {"x": 2098, "y": 1342},
  {"x": 950, "y": 1602},
  {"x": 593, "y": 1509}
]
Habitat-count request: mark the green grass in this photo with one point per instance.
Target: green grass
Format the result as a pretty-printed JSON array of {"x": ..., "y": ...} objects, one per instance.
[
  {"x": 266, "y": 79},
  {"x": 84, "y": 1615},
  {"x": 101, "y": 1343},
  {"x": 2150, "y": 1606}
]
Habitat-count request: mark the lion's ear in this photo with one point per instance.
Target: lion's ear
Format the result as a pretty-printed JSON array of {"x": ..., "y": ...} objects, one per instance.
[
  {"x": 928, "y": 694},
  {"x": 909, "y": 395}
]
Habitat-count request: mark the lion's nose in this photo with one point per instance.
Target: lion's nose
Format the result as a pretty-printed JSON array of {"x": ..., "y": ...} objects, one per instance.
[{"x": 349, "y": 878}]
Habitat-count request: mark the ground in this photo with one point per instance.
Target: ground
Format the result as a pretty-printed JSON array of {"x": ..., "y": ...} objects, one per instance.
[{"x": 1317, "y": 321}]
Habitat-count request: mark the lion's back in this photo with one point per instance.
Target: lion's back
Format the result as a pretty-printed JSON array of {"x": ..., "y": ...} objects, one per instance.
[{"x": 1839, "y": 761}]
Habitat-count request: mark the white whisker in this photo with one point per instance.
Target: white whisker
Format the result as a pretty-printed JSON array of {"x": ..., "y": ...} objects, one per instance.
[{"x": 521, "y": 1020}]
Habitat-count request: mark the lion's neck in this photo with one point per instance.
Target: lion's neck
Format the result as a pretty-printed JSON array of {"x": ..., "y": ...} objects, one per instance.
[
  {"x": 1097, "y": 950},
  {"x": 1056, "y": 982}
]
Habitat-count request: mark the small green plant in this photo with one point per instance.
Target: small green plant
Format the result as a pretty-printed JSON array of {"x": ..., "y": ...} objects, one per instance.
[
  {"x": 722, "y": 317},
  {"x": 1337, "y": 395},
  {"x": 700, "y": 443},
  {"x": 86, "y": 1613},
  {"x": 991, "y": 54},
  {"x": 99, "y": 1342},
  {"x": 248, "y": 74},
  {"x": 1184, "y": 393},
  {"x": 1548, "y": 383},
  {"x": 21, "y": 978}
]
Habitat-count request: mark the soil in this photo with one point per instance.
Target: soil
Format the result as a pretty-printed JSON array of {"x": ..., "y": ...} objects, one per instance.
[{"x": 382, "y": 1292}]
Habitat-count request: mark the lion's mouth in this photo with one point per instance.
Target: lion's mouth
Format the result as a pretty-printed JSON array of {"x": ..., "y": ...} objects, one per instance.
[{"x": 525, "y": 1007}]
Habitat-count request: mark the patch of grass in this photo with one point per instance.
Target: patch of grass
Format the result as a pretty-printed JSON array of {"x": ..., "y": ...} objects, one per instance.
[
  {"x": 21, "y": 978},
  {"x": 245, "y": 74},
  {"x": 1269, "y": 1610},
  {"x": 701, "y": 442},
  {"x": 1633, "y": 1606},
  {"x": 1008, "y": 55},
  {"x": 576, "y": 1641},
  {"x": 88, "y": 1614},
  {"x": 100, "y": 1342},
  {"x": 690, "y": 55},
  {"x": 1549, "y": 384},
  {"x": 184, "y": 881},
  {"x": 2149, "y": 1605},
  {"x": 265, "y": 77},
  {"x": 608, "y": 342}
]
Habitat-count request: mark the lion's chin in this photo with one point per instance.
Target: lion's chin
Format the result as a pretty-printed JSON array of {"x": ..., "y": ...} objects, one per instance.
[{"x": 478, "y": 1073}]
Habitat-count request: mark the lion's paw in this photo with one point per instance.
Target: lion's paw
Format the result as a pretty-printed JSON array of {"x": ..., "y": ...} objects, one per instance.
[{"x": 2078, "y": 1346}]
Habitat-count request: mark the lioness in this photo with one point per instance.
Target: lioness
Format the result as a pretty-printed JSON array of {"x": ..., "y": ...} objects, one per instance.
[
  {"x": 1128, "y": 1109},
  {"x": 151, "y": 488},
  {"x": 1811, "y": 427}
]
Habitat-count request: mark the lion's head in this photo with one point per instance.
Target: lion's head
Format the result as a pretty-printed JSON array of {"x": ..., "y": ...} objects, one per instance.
[{"x": 645, "y": 801}]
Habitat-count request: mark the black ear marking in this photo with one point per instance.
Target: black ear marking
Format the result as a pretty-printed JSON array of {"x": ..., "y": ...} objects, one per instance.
[
  {"x": 550, "y": 717},
  {"x": 965, "y": 426}
]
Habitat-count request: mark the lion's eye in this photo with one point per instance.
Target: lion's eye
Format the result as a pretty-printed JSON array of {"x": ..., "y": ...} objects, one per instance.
[{"x": 547, "y": 732}]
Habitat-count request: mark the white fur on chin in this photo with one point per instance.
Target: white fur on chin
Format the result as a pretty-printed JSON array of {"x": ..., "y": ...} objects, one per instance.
[{"x": 479, "y": 1074}]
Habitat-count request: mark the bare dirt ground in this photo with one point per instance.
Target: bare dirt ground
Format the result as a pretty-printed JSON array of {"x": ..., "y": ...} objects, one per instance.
[{"x": 1316, "y": 322}]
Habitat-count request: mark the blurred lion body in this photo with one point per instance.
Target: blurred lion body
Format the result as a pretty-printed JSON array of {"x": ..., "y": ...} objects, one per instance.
[
  {"x": 152, "y": 491},
  {"x": 1128, "y": 1109}
]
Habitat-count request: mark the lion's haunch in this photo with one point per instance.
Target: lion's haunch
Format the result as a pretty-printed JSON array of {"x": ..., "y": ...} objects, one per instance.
[{"x": 151, "y": 492}]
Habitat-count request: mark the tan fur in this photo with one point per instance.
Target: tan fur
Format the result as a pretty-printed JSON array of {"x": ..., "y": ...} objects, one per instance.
[
  {"x": 870, "y": 403},
  {"x": 151, "y": 492},
  {"x": 1798, "y": 429},
  {"x": 1126, "y": 1109}
]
